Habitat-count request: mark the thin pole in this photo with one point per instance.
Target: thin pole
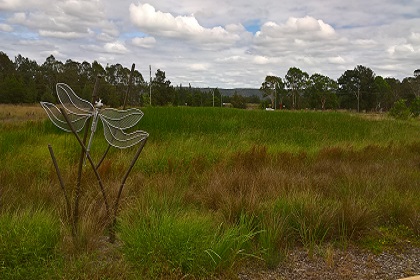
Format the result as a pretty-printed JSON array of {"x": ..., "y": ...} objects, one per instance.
[{"x": 150, "y": 85}]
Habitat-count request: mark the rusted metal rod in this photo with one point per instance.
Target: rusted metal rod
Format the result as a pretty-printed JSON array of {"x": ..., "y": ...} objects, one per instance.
[
  {"x": 60, "y": 179},
  {"x": 101, "y": 186}
]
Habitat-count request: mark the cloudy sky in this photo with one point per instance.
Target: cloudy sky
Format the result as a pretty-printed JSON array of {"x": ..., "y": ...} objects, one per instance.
[{"x": 219, "y": 43}]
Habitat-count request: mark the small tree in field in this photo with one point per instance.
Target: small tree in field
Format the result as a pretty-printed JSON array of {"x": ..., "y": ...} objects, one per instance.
[
  {"x": 272, "y": 87},
  {"x": 400, "y": 110},
  {"x": 238, "y": 101}
]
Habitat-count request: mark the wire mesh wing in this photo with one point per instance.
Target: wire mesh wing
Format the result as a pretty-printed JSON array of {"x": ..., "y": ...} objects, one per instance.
[
  {"x": 115, "y": 121},
  {"x": 116, "y": 137},
  {"x": 78, "y": 121},
  {"x": 122, "y": 119},
  {"x": 71, "y": 102}
]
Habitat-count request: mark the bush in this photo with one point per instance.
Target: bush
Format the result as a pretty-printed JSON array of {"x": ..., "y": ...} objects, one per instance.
[
  {"x": 415, "y": 107},
  {"x": 400, "y": 110},
  {"x": 238, "y": 101}
]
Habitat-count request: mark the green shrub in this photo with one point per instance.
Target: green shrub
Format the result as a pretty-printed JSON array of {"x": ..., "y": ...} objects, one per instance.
[
  {"x": 415, "y": 107},
  {"x": 400, "y": 110}
]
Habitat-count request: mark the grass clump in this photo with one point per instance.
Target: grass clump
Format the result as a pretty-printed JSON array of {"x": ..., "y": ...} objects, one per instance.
[
  {"x": 28, "y": 242},
  {"x": 182, "y": 242}
]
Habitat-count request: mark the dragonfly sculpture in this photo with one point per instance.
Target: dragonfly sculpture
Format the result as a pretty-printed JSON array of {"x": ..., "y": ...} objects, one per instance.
[
  {"x": 79, "y": 111},
  {"x": 72, "y": 115}
]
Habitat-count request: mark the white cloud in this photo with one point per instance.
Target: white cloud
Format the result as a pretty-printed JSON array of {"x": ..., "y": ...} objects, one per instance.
[
  {"x": 5, "y": 27},
  {"x": 60, "y": 34},
  {"x": 105, "y": 37},
  {"x": 87, "y": 10},
  {"x": 297, "y": 41},
  {"x": 234, "y": 58},
  {"x": 402, "y": 49},
  {"x": 115, "y": 47},
  {"x": 145, "y": 42},
  {"x": 199, "y": 66},
  {"x": 158, "y": 23},
  {"x": 336, "y": 60},
  {"x": 10, "y": 4},
  {"x": 261, "y": 60},
  {"x": 18, "y": 18},
  {"x": 365, "y": 42},
  {"x": 309, "y": 25},
  {"x": 414, "y": 38},
  {"x": 62, "y": 19},
  {"x": 55, "y": 53},
  {"x": 219, "y": 43},
  {"x": 306, "y": 28}
]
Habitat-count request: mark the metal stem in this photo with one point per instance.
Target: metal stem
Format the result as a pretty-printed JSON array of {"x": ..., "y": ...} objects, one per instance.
[
  {"x": 81, "y": 159},
  {"x": 89, "y": 159},
  {"x": 117, "y": 200},
  {"x": 60, "y": 179}
]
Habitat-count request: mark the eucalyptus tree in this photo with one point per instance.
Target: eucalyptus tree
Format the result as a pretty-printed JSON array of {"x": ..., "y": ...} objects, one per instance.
[
  {"x": 383, "y": 93},
  {"x": 322, "y": 90},
  {"x": 161, "y": 89},
  {"x": 414, "y": 84},
  {"x": 359, "y": 82},
  {"x": 28, "y": 72},
  {"x": 25, "y": 67},
  {"x": 70, "y": 75},
  {"x": 51, "y": 70},
  {"x": 296, "y": 83},
  {"x": 115, "y": 74},
  {"x": 6, "y": 66},
  {"x": 273, "y": 87},
  {"x": 97, "y": 69},
  {"x": 139, "y": 86}
]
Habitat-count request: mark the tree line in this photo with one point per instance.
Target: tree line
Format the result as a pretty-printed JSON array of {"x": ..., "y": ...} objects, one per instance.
[
  {"x": 356, "y": 89},
  {"x": 25, "y": 81}
]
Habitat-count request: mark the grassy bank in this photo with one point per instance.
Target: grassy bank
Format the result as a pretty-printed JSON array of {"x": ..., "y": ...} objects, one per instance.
[{"x": 216, "y": 187}]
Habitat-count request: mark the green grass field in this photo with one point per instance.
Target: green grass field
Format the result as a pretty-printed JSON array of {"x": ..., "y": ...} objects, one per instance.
[{"x": 213, "y": 189}]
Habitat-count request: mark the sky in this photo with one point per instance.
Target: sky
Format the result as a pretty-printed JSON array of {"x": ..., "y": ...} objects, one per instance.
[{"x": 218, "y": 43}]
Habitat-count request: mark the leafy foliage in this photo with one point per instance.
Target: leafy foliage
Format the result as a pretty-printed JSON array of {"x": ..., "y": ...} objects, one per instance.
[{"x": 400, "y": 110}]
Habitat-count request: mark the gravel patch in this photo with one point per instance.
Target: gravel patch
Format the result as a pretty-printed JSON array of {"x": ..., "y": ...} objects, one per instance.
[{"x": 331, "y": 263}]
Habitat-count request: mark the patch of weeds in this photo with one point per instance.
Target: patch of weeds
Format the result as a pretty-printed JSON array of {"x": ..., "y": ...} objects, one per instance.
[{"x": 386, "y": 238}]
